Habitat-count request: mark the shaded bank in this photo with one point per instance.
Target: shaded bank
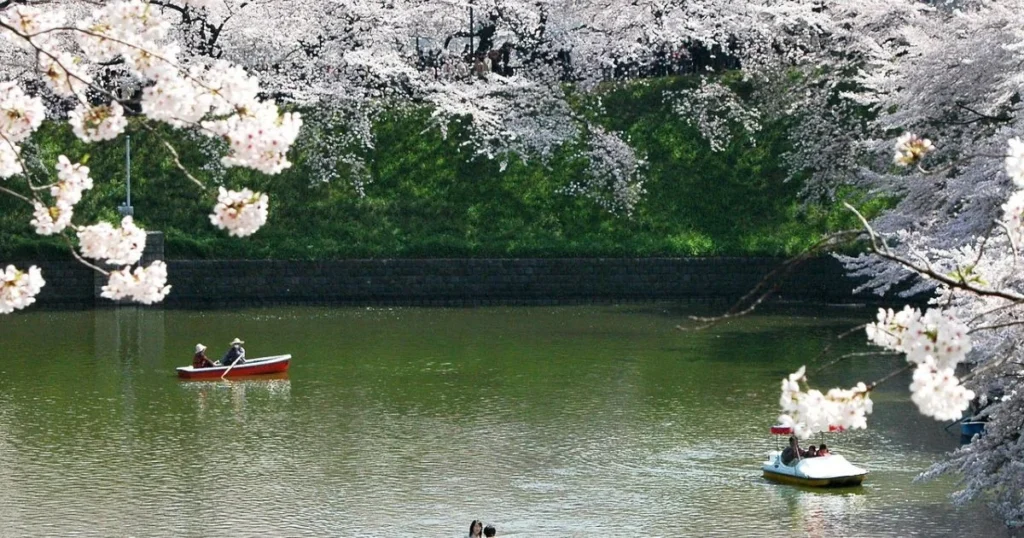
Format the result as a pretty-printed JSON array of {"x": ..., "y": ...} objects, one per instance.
[{"x": 464, "y": 282}]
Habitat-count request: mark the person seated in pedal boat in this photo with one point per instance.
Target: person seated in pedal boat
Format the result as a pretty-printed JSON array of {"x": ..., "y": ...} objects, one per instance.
[
  {"x": 200, "y": 360},
  {"x": 236, "y": 353},
  {"x": 792, "y": 452},
  {"x": 823, "y": 450}
]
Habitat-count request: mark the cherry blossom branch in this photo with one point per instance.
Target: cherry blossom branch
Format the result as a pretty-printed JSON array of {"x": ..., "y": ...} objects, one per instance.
[
  {"x": 996, "y": 326},
  {"x": 83, "y": 261},
  {"x": 991, "y": 311},
  {"x": 21, "y": 161},
  {"x": 27, "y": 38},
  {"x": 852, "y": 355},
  {"x": 174, "y": 155},
  {"x": 762, "y": 291},
  {"x": 882, "y": 250},
  {"x": 990, "y": 365},
  {"x": 16, "y": 195},
  {"x": 828, "y": 348},
  {"x": 891, "y": 375}
]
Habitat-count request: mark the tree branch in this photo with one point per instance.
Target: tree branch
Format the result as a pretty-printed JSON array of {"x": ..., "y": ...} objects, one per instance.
[
  {"x": 174, "y": 154},
  {"x": 774, "y": 280},
  {"x": 882, "y": 251}
]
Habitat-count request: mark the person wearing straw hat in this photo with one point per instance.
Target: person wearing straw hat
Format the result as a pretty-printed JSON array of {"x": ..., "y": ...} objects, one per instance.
[
  {"x": 236, "y": 353},
  {"x": 200, "y": 360}
]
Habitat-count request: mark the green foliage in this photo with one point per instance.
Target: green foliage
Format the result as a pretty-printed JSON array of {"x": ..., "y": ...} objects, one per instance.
[{"x": 428, "y": 198}]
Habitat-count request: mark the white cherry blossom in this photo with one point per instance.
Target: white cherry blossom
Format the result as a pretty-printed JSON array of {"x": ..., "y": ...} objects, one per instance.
[
  {"x": 937, "y": 337},
  {"x": 1015, "y": 161},
  {"x": 258, "y": 137},
  {"x": 51, "y": 220},
  {"x": 20, "y": 114},
  {"x": 120, "y": 27},
  {"x": 73, "y": 180},
  {"x": 30, "y": 21},
  {"x": 241, "y": 213},
  {"x": 1013, "y": 217},
  {"x": 811, "y": 411},
  {"x": 891, "y": 326},
  {"x": 118, "y": 246},
  {"x": 144, "y": 285},
  {"x": 97, "y": 123},
  {"x": 63, "y": 74},
  {"x": 938, "y": 393},
  {"x": 910, "y": 149},
  {"x": 18, "y": 289},
  {"x": 10, "y": 161}
]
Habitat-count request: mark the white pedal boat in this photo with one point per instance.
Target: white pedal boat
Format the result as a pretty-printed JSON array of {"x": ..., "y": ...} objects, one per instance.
[{"x": 832, "y": 470}]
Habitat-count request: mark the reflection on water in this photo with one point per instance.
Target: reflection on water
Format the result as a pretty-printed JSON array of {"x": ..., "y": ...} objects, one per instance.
[
  {"x": 822, "y": 513},
  {"x": 590, "y": 421},
  {"x": 130, "y": 333},
  {"x": 217, "y": 395}
]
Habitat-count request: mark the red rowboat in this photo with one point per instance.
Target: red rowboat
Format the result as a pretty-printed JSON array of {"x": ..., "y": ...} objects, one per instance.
[{"x": 262, "y": 365}]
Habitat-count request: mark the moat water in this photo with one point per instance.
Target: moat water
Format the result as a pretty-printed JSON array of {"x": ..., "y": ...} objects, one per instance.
[{"x": 543, "y": 421}]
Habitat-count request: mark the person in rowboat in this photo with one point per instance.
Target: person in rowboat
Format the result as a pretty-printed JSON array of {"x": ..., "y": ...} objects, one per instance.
[
  {"x": 200, "y": 360},
  {"x": 236, "y": 353}
]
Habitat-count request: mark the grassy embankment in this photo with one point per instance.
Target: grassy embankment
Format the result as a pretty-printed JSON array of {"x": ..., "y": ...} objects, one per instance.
[{"x": 426, "y": 199}]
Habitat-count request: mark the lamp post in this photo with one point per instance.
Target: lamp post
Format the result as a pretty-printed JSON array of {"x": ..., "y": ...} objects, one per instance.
[{"x": 127, "y": 210}]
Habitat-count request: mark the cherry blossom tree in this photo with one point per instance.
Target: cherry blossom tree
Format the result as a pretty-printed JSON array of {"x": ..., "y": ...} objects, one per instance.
[
  {"x": 61, "y": 51},
  {"x": 509, "y": 69},
  {"x": 924, "y": 101}
]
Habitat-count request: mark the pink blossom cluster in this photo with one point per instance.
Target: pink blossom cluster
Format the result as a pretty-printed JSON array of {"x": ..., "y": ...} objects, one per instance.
[
  {"x": 938, "y": 393},
  {"x": 36, "y": 24},
  {"x": 910, "y": 149},
  {"x": 20, "y": 116},
  {"x": 50, "y": 220},
  {"x": 218, "y": 99},
  {"x": 18, "y": 289},
  {"x": 73, "y": 180},
  {"x": 120, "y": 246},
  {"x": 935, "y": 342},
  {"x": 146, "y": 285},
  {"x": 241, "y": 213},
  {"x": 811, "y": 411},
  {"x": 97, "y": 123},
  {"x": 1013, "y": 209},
  {"x": 258, "y": 137},
  {"x": 126, "y": 28},
  {"x": 63, "y": 75}
]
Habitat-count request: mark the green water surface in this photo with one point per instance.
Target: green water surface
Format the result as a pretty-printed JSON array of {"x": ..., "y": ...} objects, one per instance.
[{"x": 544, "y": 421}]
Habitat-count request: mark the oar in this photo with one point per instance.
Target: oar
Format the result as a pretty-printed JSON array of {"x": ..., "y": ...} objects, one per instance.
[{"x": 230, "y": 367}]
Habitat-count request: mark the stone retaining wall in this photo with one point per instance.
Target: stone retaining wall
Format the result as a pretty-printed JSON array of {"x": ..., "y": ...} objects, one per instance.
[{"x": 463, "y": 282}]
